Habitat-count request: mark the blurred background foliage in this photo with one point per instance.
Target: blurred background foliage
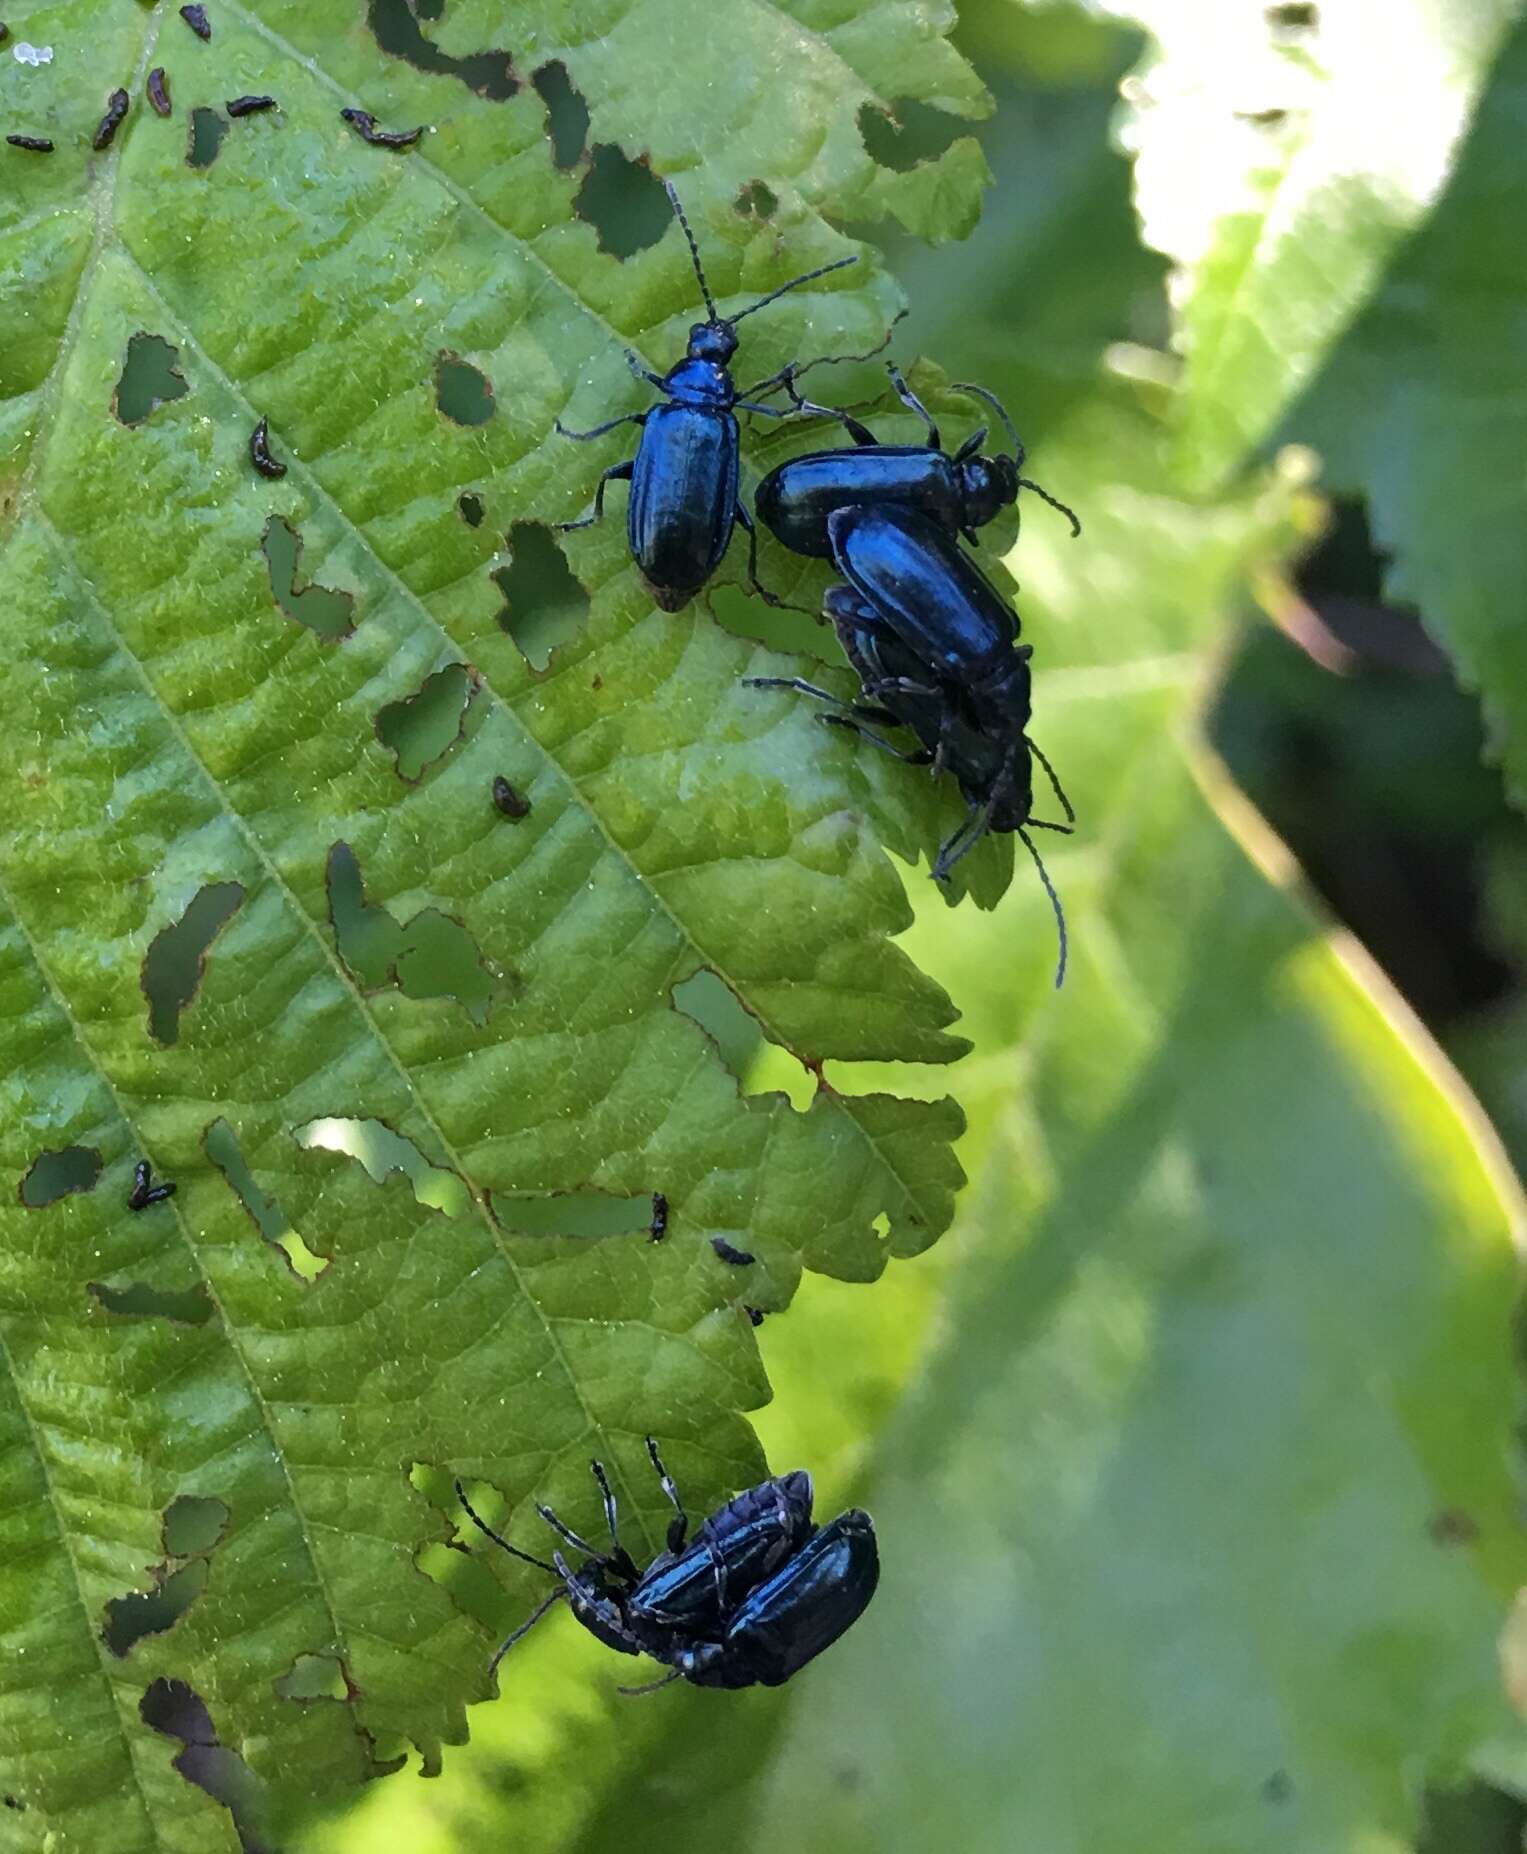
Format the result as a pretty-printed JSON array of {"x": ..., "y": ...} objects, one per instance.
[{"x": 1190, "y": 1446}]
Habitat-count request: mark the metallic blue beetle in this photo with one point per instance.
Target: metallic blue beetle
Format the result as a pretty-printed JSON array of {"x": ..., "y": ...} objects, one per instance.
[
  {"x": 684, "y": 501},
  {"x": 959, "y": 492},
  {"x": 756, "y": 1594},
  {"x": 935, "y": 646}
]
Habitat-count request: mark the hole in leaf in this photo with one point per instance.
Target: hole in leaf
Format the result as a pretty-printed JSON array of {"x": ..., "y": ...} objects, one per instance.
[
  {"x": 462, "y": 392},
  {"x": 222, "y": 1148},
  {"x": 470, "y": 508},
  {"x": 908, "y": 134},
  {"x": 572, "y": 1213},
  {"x": 193, "y": 1524},
  {"x": 314, "y": 1677},
  {"x": 368, "y": 938},
  {"x": 13, "y": 1802},
  {"x": 373, "y": 1144},
  {"x": 544, "y": 605},
  {"x": 149, "y": 378},
  {"x": 177, "y": 956},
  {"x": 150, "y": 1612},
  {"x": 187, "y": 1306},
  {"x": 419, "y": 729},
  {"x": 59, "y": 1174},
  {"x": 204, "y": 137},
  {"x": 624, "y": 201},
  {"x": 395, "y": 25},
  {"x": 567, "y": 115},
  {"x": 325, "y": 611},
  {"x": 431, "y": 955},
  {"x": 756, "y": 201},
  {"x": 173, "y": 1708},
  {"x": 760, "y": 1067}
]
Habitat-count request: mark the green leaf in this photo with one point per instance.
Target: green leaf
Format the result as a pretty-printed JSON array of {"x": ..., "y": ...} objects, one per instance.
[
  {"x": 1423, "y": 409},
  {"x": 1281, "y": 168},
  {"x": 1199, "y": 1526},
  {"x": 383, "y": 1014}
]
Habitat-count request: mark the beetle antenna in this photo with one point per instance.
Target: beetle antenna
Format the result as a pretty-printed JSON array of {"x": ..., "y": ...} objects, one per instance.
[
  {"x": 523, "y": 1630},
  {"x": 981, "y": 392},
  {"x": 1065, "y": 803},
  {"x": 694, "y": 251},
  {"x": 1019, "y": 453},
  {"x": 513, "y": 1550},
  {"x": 795, "y": 283},
  {"x": 653, "y": 1686},
  {"x": 1060, "y": 912},
  {"x": 1027, "y": 482}
]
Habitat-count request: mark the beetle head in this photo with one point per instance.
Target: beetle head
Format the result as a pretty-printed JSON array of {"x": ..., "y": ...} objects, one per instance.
[
  {"x": 987, "y": 484},
  {"x": 712, "y": 341}
]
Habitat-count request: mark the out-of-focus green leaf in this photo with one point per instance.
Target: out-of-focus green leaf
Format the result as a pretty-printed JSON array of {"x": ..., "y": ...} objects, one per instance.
[
  {"x": 1281, "y": 166},
  {"x": 1423, "y": 409},
  {"x": 476, "y": 1013}
]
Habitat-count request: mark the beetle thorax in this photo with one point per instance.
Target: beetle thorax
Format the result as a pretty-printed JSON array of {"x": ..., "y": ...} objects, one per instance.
[
  {"x": 987, "y": 484},
  {"x": 699, "y": 382}
]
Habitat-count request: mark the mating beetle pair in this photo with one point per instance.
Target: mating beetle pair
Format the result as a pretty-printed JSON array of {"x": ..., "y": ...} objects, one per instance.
[
  {"x": 756, "y": 1594},
  {"x": 933, "y": 641}
]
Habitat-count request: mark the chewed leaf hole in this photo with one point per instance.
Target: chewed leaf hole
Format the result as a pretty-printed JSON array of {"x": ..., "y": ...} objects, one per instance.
[
  {"x": 430, "y": 955},
  {"x": 173, "y": 1708},
  {"x": 314, "y": 1677},
  {"x": 395, "y": 24},
  {"x": 186, "y": 1306},
  {"x": 204, "y": 137},
  {"x": 325, "y": 610},
  {"x": 567, "y": 115},
  {"x": 149, "y": 378},
  {"x": 544, "y": 605},
  {"x": 760, "y": 1067},
  {"x": 177, "y": 956},
  {"x": 756, "y": 201},
  {"x": 418, "y": 729},
  {"x": 462, "y": 392},
  {"x": 193, "y": 1524},
  {"x": 222, "y": 1148},
  {"x": 469, "y": 505},
  {"x": 624, "y": 201},
  {"x": 150, "y": 1612},
  {"x": 374, "y": 1145},
  {"x": 60, "y": 1174},
  {"x": 573, "y": 1213},
  {"x": 908, "y": 135}
]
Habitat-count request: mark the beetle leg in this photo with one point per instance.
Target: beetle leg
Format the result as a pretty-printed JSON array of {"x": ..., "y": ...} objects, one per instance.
[
  {"x": 747, "y": 405},
  {"x": 740, "y": 515},
  {"x": 566, "y": 1532},
  {"x": 678, "y": 1526},
  {"x": 971, "y": 445},
  {"x": 643, "y": 372},
  {"x": 617, "y": 473},
  {"x": 921, "y": 757},
  {"x": 524, "y": 1629},
  {"x": 861, "y": 434},
  {"x": 962, "y": 842},
  {"x": 626, "y": 418},
  {"x": 860, "y": 710},
  {"x": 483, "y": 1527},
  {"x": 910, "y": 399},
  {"x": 619, "y": 1559}
]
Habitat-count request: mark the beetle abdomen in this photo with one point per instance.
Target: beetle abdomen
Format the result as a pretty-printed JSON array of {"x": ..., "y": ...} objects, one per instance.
[
  {"x": 796, "y": 499},
  {"x": 683, "y": 495}
]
